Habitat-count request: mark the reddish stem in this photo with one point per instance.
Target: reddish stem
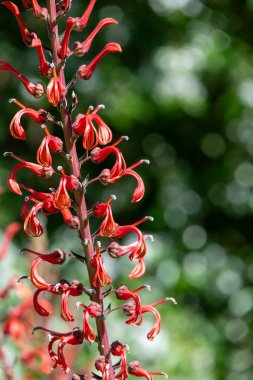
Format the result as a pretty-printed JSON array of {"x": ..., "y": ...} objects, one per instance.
[{"x": 82, "y": 213}]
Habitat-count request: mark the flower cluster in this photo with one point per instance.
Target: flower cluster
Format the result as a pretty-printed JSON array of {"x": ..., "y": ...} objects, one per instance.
[{"x": 68, "y": 196}]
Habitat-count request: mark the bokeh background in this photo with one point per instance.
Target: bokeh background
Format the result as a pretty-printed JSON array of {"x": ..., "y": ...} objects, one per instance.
[{"x": 182, "y": 90}]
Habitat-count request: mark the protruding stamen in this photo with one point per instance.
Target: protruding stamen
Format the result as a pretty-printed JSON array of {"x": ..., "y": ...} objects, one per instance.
[
  {"x": 13, "y": 100},
  {"x": 145, "y": 162},
  {"x": 126, "y": 138},
  {"x": 7, "y": 154},
  {"x": 143, "y": 220},
  {"x": 151, "y": 237},
  {"x": 98, "y": 244},
  {"x": 111, "y": 198}
]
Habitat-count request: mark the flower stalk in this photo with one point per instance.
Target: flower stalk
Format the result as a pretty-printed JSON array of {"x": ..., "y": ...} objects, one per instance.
[{"x": 96, "y": 136}]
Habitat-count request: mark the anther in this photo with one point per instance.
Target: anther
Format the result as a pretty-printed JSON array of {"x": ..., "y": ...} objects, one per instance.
[
  {"x": 148, "y": 287},
  {"x": 91, "y": 108},
  {"x": 78, "y": 304},
  {"x": 145, "y": 162},
  {"x": 172, "y": 300},
  {"x": 151, "y": 237},
  {"x": 98, "y": 244},
  {"x": 125, "y": 138},
  {"x": 151, "y": 218},
  {"x": 7, "y": 154}
]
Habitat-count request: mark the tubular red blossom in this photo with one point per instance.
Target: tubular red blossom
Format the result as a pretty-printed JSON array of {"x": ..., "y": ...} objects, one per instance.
[
  {"x": 118, "y": 349},
  {"x": 39, "y": 170},
  {"x": 108, "y": 227},
  {"x": 63, "y": 52},
  {"x": 99, "y": 155},
  {"x": 17, "y": 130},
  {"x": 129, "y": 309},
  {"x": 93, "y": 310},
  {"x": 101, "y": 278},
  {"x": 26, "y": 35},
  {"x": 83, "y": 20},
  {"x": 9, "y": 234},
  {"x": 44, "y": 202},
  {"x": 37, "y": 359},
  {"x": 62, "y": 199},
  {"x": 38, "y": 11},
  {"x": 84, "y": 125},
  {"x": 85, "y": 72},
  {"x": 55, "y": 257},
  {"x": 45, "y": 67},
  {"x": 32, "y": 226},
  {"x": 35, "y": 89},
  {"x": 15, "y": 324},
  {"x": 123, "y": 293},
  {"x": 49, "y": 143},
  {"x": 134, "y": 368},
  {"x": 55, "y": 91},
  {"x": 81, "y": 48},
  {"x": 102, "y": 365},
  {"x": 73, "y": 338},
  {"x": 138, "y": 270},
  {"x": 63, "y": 6}
]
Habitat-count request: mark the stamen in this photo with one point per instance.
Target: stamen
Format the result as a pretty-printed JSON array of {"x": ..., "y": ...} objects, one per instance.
[
  {"x": 13, "y": 100},
  {"x": 126, "y": 138}
]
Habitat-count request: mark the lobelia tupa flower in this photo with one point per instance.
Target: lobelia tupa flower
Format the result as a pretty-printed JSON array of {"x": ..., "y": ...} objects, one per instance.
[{"x": 70, "y": 195}]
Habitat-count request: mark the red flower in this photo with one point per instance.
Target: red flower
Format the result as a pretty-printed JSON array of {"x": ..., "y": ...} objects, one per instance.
[
  {"x": 123, "y": 293},
  {"x": 77, "y": 24},
  {"x": 118, "y": 349},
  {"x": 49, "y": 144},
  {"x": 81, "y": 48},
  {"x": 44, "y": 202},
  {"x": 108, "y": 227},
  {"x": 61, "y": 197},
  {"x": 138, "y": 270},
  {"x": 39, "y": 170},
  {"x": 93, "y": 310},
  {"x": 130, "y": 310},
  {"x": 102, "y": 365},
  {"x": 84, "y": 125},
  {"x": 101, "y": 278},
  {"x": 55, "y": 257},
  {"x": 55, "y": 91},
  {"x": 45, "y": 67},
  {"x": 73, "y": 338},
  {"x": 37, "y": 10},
  {"x": 17, "y": 130},
  {"x": 86, "y": 71},
  {"x": 134, "y": 368},
  {"x": 63, "y": 6},
  {"x": 35, "y": 89},
  {"x": 99, "y": 155},
  {"x": 9, "y": 234},
  {"x": 26, "y": 35},
  {"x": 63, "y": 288},
  {"x": 37, "y": 360}
]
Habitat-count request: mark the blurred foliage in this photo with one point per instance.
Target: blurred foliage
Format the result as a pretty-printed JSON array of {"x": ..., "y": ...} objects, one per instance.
[{"x": 183, "y": 91}]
